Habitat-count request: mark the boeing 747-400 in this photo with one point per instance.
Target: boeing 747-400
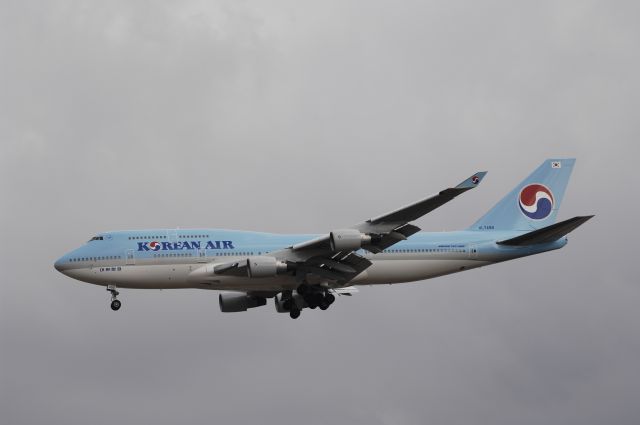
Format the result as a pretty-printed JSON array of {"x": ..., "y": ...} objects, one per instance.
[{"x": 310, "y": 270}]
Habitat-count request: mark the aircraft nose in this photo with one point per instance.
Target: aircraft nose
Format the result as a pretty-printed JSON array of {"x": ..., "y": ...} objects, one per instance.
[{"x": 59, "y": 264}]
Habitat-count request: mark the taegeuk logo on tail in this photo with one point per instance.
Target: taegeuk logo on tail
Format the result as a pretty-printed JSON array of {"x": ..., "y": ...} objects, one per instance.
[{"x": 536, "y": 201}]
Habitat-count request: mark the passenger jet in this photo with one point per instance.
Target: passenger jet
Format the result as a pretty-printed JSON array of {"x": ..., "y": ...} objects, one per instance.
[{"x": 310, "y": 270}]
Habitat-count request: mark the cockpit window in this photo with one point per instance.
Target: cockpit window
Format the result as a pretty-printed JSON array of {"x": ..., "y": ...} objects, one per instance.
[{"x": 96, "y": 238}]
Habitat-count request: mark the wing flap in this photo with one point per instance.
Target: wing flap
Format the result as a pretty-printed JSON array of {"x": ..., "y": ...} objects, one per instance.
[
  {"x": 342, "y": 267},
  {"x": 391, "y": 238},
  {"x": 347, "y": 290}
]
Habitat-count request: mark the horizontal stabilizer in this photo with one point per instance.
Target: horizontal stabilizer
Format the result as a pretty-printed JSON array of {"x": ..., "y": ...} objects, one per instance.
[{"x": 547, "y": 234}]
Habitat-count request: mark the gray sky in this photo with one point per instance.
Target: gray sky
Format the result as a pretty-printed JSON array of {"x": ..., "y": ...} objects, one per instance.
[{"x": 291, "y": 116}]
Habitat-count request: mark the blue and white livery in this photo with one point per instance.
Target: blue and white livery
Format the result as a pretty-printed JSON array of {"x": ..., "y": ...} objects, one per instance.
[{"x": 310, "y": 270}]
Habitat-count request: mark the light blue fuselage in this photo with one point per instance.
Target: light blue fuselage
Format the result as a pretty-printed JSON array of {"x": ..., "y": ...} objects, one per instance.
[
  {"x": 308, "y": 271},
  {"x": 170, "y": 258}
]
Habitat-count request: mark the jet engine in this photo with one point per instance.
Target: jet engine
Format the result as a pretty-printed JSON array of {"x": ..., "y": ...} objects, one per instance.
[
  {"x": 230, "y": 303},
  {"x": 264, "y": 266},
  {"x": 347, "y": 239}
]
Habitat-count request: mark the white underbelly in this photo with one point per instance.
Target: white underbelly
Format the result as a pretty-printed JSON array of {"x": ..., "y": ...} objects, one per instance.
[
  {"x": 136, "y": 276},
  {"x": 398, "y": 271},
  {"x": 174, "y": 277},
  {"x": 177, "y": 275}
]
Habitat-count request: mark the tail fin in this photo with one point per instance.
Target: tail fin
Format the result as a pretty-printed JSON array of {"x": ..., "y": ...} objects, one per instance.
[{"x": 532, "y": 204}]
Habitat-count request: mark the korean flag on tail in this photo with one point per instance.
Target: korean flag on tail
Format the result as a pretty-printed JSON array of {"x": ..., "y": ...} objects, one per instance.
[{"x": 556, "y": 164}]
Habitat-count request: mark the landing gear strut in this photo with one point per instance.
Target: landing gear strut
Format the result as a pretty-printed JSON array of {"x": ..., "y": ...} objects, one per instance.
[
  {"x": 290, "y": 304},
  {"x": 115, "y": 302}
]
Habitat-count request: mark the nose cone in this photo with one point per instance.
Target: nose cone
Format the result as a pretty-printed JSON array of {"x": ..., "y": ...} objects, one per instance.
[{"x": 59, "y": 264}]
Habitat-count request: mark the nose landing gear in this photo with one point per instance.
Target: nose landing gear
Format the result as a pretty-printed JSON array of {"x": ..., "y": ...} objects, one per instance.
[{"x": 115, "y": 302}]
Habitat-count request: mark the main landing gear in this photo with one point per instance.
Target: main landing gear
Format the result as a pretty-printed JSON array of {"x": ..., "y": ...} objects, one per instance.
[
  {"x": 313, "y": 296},
  {"x": 289, "y": 304},
  {"x": 115, "y": 302}
]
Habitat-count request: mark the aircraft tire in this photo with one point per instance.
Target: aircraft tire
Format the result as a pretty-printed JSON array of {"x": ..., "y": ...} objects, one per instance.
[
  {"x": 294, "y": 314},
  {"x": 115, "y": 305},
  {"x": 311, "y": 301},
  {"x": 287, "y": 305}
]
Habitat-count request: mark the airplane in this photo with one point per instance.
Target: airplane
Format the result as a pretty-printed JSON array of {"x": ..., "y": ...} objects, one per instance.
[{"x": 309, "y": 270}]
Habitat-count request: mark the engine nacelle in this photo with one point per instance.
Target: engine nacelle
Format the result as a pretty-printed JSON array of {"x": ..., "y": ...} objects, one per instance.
[
  {"x": 264, "y": 266},
  {"x": 231, "y": 303},
  {"x": 347, "y": 239}
]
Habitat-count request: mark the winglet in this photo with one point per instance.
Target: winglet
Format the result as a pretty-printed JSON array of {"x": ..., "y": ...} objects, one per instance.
[{"x": 472, "y": 181}]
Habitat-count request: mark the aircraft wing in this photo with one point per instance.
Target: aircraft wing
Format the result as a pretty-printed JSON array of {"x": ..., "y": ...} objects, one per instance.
[{"x": 334, "y": 256}]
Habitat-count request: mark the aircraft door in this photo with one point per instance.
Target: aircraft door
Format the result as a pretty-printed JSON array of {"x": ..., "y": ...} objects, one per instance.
[
  {"x": 473, "y": 251},
  {"x": 130, "y": 260}
]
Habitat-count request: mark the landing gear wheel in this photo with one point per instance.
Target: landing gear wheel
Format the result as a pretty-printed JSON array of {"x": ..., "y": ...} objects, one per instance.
[
  {"x": 311, "y": 301},
  {"x": 294, "y": 314},
  {"x": 330, "y": 298},
  {"x": 115, "y": 304},
  {"x": 324, "y": 304}
]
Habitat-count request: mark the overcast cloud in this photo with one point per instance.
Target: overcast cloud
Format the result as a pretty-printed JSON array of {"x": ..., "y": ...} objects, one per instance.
[{"x": 293, "y": 116}]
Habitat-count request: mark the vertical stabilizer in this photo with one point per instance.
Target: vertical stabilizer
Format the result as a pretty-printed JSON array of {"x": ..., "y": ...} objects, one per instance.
[{"x": 532, "y": 204}]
